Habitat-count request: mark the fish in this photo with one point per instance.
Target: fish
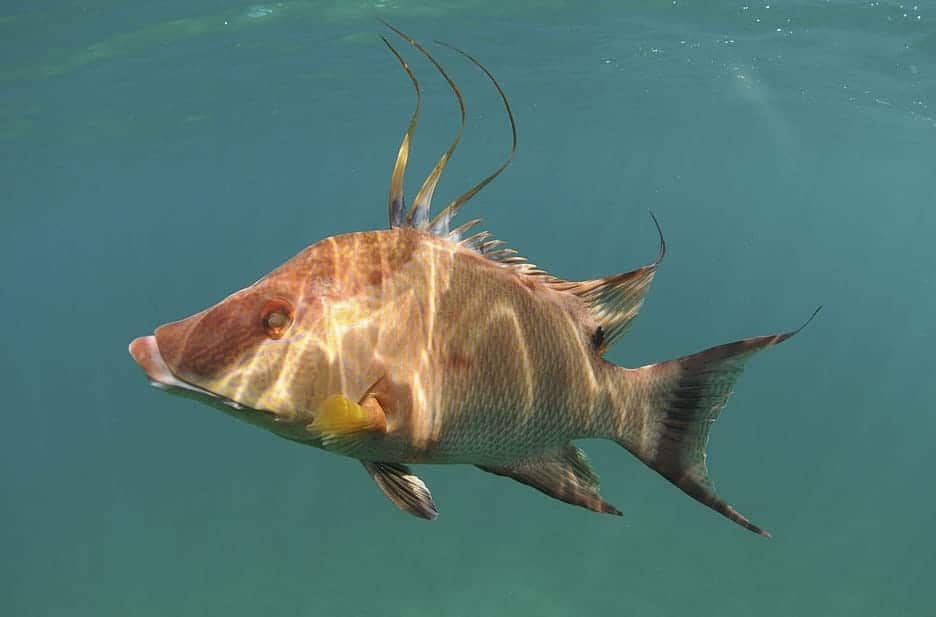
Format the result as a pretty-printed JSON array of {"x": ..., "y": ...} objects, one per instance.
[{"x": 431, "y": 343}]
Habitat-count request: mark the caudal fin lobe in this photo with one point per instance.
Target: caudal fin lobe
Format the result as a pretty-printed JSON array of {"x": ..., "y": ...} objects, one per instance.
[{"x": 678, "y": 401}]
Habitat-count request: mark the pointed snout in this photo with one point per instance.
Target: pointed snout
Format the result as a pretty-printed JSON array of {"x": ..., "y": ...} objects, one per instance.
[
  {"x": 161, "y": 354},
  {"x": 146, "y": 354},
  {"x": 203, "y": 347}
]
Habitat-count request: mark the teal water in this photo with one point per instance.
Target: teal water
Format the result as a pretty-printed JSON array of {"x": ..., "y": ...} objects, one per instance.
[{"x": 156, "y": 158}]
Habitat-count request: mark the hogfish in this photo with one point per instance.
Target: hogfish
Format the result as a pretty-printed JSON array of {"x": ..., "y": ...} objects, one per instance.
[{"x": 433, "y": 343}]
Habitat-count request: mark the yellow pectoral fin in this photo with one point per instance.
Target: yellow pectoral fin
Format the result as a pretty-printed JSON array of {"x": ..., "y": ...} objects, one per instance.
[{"x": 341, "y": 420}]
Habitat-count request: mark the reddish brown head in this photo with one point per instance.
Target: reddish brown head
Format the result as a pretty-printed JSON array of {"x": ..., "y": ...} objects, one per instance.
[
  {"x": 249, "y": 320},
  {"x": 305, "y": 331},
  {"x": 246, "y": 349}
]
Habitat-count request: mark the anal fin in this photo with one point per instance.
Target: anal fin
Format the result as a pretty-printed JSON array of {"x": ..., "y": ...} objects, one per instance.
[
  {"x": 403, "y": 488},
  {"x": 564, "y": 474}
]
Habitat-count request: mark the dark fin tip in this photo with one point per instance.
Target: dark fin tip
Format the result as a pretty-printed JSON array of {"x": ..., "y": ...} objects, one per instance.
[
  {"x": 811, "y": 317},
  {"x": 792, "y": 333},
  {"x": 662, "y": 252},
  {"x": 742, "y": 520},
  {"x": 758, "y": 530}
]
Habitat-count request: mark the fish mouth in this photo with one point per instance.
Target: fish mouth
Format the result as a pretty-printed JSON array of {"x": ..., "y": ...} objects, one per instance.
[{"x": 145, "y": 353}]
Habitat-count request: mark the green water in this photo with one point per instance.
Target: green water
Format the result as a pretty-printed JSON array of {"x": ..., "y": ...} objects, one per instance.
[{"x": 155, "y": 158}]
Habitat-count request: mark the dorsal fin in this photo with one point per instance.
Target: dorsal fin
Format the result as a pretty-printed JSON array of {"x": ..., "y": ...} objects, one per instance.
[
  {"x": 397, "y": 203},
  {"x": 440, "y": 224},
  {"x": 495, "y": 250},
  {"x": 615, "y": 300},
  {"x": 417, "y": 216}
]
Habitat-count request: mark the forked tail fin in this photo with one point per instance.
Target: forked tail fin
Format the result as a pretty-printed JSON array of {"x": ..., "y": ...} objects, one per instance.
[{"x": 669, "y": 408}]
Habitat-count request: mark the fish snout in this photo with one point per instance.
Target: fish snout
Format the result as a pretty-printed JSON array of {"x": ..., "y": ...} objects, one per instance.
[
  {"x": 162, "y": 354},
  {"x": 146, "y": 354},
  {"x": 145, "y": 351}
]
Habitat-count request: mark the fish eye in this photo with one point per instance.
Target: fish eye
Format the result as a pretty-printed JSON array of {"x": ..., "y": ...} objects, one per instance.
[{"x": 276, "y": 316}]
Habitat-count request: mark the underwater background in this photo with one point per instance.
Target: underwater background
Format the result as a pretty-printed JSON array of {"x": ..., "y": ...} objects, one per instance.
[{"x": 156, "y": 156}]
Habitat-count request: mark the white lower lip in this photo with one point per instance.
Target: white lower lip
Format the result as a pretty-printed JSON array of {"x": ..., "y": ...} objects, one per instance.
[{"x": 145, "y": 352}]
